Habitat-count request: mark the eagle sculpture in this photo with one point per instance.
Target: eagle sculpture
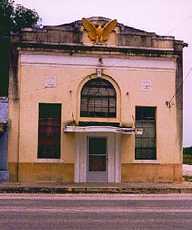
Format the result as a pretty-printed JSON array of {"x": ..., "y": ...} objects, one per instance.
[{"x": 99, "y": 33}]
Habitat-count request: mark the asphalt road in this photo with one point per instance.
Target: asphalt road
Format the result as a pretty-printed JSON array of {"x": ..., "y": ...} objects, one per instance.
[{"x": 97, "y": 211}]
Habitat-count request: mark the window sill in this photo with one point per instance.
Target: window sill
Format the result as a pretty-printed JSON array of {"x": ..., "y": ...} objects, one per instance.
[
  {"x": 147, "y": 161},
  {"x": 49, "y": 161}
]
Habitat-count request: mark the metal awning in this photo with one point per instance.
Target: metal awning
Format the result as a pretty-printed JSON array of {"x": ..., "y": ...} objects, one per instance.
[{"x": 98, "y": 129}]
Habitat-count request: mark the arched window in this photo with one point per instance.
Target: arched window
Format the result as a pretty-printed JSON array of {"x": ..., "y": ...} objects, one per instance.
[{"x": 98, "y": 99}]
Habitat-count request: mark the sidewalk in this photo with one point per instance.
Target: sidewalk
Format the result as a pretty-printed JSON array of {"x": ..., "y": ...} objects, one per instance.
[{"x": 130, "y": 188}]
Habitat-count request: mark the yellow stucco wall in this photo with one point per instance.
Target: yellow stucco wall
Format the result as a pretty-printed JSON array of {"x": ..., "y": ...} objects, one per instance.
[
  {"x": 24, "y": 114},
  {"x": 41, "y": 172},
  {"x": 151, "y": 172}
]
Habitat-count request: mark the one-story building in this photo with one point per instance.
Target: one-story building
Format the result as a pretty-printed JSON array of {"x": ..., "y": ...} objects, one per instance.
[{"x": 95, "y": 101}]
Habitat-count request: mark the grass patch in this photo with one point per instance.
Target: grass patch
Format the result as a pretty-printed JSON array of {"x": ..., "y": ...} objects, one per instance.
[
  {"x": 188, "y": 178},
  {"x": 187, "y": 155},
  {"x": 187, "y": 150},
  {"x": 187, "y": 159}
]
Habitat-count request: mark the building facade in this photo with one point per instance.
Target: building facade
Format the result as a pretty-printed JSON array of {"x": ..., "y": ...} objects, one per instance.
[
  {"x": 3, "y": 139},
  {"x": 95, "y": 101}
]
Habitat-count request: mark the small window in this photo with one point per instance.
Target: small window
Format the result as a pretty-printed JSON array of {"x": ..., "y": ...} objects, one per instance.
[
  {"x": 98, "y": 99},
  {"x": 145, "y": 145},
  {"x": 49, "y": 131}
]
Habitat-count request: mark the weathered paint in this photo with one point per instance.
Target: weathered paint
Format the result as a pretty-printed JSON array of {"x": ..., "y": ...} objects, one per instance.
[
  {"x": 127, "y": 61},
  {"x": 151, "y": 172},
  {"x": 41, "y": 172}
]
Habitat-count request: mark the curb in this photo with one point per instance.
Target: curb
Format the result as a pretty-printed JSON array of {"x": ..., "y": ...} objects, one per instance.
[{"x": 111, "y": 190}]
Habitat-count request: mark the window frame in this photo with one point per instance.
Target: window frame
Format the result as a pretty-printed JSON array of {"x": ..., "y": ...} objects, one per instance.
[
  {"x": 152, "y": 139},
  {"x": 91, "y": 100},
  {"x": 52, "y": 129}
]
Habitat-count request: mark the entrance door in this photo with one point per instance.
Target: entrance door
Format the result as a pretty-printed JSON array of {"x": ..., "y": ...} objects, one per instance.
[{"x": 97, "y": 159}]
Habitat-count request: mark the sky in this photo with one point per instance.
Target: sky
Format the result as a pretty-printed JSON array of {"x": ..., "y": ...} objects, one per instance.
[{"x": 164, "y": 17}]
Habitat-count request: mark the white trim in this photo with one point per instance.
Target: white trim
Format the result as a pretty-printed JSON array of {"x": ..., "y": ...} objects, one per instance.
[
  {"x": 77, "y": 145},
  {"x": 111, "y": 158},
  {"x": 147, "y": 161},
  {"x": 117, "y": 161},
  {"x": 49, "y": 161},
  {"x": 98, "y": 129},
  {"x": 114, "y": 168},
  {"x": 90, "y": 61},
  {"x": 80, "y": 159}
]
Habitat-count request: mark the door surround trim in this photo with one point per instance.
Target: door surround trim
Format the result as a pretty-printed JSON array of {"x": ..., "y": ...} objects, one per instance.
[{"x": 114, "y": 159}]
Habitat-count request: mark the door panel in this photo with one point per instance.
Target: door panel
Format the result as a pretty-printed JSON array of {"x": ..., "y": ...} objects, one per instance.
[
  {"x": 97, "y": 159},
  {"x": 97, "y": 163}
]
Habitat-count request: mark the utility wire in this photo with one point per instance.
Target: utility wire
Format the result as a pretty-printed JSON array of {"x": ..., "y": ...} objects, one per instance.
[{"x": 182, "y": 83}]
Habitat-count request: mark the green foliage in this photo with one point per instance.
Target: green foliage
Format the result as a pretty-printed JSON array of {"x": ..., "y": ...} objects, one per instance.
[
  {"x": 12, "y": 19},
  {"x": 187, "y": 159},
  {"x": 187, "y": 150},
  {"x": 15, "y": 17},
  {"x": 23, "y": 17},
  {"x": 6, "y": 11},
  {"x": 187, "y": 155}
]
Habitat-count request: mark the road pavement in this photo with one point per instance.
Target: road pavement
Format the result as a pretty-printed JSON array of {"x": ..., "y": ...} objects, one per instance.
[
  {"x": 187, "y": 170},
  {"x": 96, "y": 211}
]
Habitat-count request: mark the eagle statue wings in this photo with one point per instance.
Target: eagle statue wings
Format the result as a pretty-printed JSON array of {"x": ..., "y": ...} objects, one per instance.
[{"x": 99, "y": 34}]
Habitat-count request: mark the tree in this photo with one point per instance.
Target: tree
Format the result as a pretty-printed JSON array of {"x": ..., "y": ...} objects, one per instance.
[
  {"x": 12, "y": 19},
  {"x": 187, "y": 150},
  {"x": 6, "y": 11},
  {"x": 15, "y": 17}
]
